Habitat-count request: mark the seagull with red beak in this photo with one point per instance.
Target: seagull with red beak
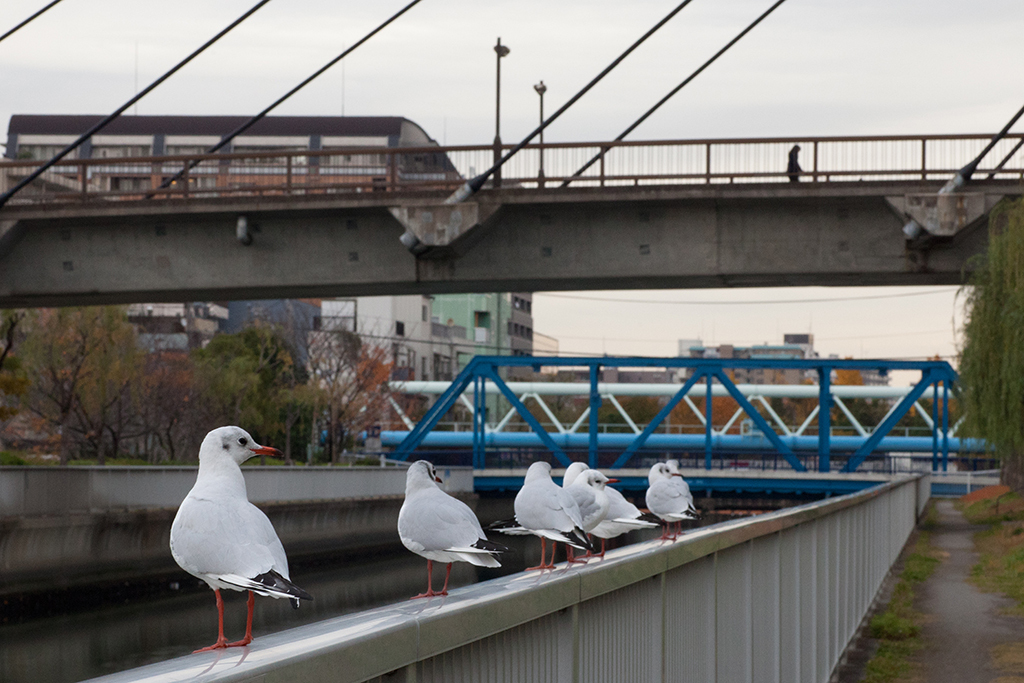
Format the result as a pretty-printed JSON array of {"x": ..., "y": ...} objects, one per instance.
[
  {"x": 667, "y": 500},
  {"x": 440, "y": 528},
  {"x": 220, "y": 537}
]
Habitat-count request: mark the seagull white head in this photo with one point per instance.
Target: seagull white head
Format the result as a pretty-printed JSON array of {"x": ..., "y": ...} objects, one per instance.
[
  {"x": 673, "y": 466},
  {"x": 595, "y": 479},
  {"x": 571, "y": 472},
  {"x": 538, "y": 470},
  {"x": 233, "y": 443},
  {"x": 421, "y": 475},
  {"x": 660, "y": 471}
]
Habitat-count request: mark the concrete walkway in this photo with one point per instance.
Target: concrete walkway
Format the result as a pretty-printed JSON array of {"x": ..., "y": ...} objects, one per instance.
[{"x": 963, "y": 624}]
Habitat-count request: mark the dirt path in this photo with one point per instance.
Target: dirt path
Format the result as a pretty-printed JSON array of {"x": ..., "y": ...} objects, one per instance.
[{"x": 963, "y": 624}]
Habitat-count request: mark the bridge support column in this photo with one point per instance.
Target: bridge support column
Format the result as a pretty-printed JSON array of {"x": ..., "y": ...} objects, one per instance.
[
  {"x": 707, "y": 426},
  {"x": 824, "y": 418},
  {"x": 595, "y": 406}
]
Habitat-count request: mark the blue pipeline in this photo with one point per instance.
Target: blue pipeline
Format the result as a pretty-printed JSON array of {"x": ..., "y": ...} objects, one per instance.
[{"x": 689, "y": 442}]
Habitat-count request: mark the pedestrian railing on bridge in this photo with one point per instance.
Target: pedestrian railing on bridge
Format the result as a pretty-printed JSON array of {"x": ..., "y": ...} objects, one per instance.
[
  {"x": 304, "y": 172},
  {"x": 777, "y": 598}
]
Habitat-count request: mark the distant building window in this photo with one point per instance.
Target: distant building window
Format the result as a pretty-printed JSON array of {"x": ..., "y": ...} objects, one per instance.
[
  {"x": 43, "y": 152},
  {"x": 120, "y": 151},
  {"x": 400, "y": 329},
  {"x": 424, "y": 313},
  {"x": 529, "y": 307}
]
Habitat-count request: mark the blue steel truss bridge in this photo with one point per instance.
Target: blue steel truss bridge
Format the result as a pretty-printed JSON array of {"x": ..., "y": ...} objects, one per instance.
[{"x": 824, "y": 452}]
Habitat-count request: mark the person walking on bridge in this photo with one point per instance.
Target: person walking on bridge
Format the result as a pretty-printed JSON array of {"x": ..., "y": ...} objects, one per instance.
[{"x": 794, "y": 169}]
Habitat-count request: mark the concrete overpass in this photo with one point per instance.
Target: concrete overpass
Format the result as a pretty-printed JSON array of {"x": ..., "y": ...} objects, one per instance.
[{"x": 687, "y": 214}]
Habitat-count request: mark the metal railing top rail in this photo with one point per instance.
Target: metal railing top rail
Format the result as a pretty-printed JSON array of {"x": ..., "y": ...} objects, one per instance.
[
  {"x": 439, "y": 149},
  {"x": 374, "y": 169},
  {"x": 350, "y": 648}
]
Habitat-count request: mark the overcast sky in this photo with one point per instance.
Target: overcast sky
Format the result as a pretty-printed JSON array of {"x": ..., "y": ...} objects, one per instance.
[{"x": 815, "y": 67}]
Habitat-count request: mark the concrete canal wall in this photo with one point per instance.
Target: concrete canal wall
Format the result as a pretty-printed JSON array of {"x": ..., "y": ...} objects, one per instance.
[{"x": 70, "y": 527}]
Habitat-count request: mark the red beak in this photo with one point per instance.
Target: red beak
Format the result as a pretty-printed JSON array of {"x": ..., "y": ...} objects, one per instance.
[
  {"x": 677, "y": 475},
  {"x": 612, "y": 481},
  {"x": 266, "y": 450},
  {"x": 438, "y": 480}
]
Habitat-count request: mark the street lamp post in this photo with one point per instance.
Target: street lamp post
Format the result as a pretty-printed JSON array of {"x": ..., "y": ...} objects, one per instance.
[
  {"x": 541, "y": 89},
  {"x": 501, "y": 51}
]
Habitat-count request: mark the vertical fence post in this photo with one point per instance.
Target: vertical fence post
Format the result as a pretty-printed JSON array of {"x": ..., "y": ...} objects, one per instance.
[
  {"x": 393, "y": 172},
  {"x": 288, "y": 174},
  {"x": 824, "y": 417},
  {"x": 185, "y": 178},
  {"x": 814, "y": 175},
  {"x": 945, "y": 425},
  {"x": 707, "y": 171},
  {"x": 595, "y": 406},
  {"x": 707, "y": 424},
  {"x": 84, "y": 173},
  {"x": 935, "y": 427},
  {"x": 924, "y": 159},
  {"x": 602, "y": 167}
]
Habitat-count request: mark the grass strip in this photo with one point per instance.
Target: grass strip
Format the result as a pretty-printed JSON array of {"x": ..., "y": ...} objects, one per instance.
[{"x": 898, "y": 627}]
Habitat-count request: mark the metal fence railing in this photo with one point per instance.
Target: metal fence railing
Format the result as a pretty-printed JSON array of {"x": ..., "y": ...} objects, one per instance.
[
  {"x": 301, "y": 172},
  {"x": 776, "y": 597}
]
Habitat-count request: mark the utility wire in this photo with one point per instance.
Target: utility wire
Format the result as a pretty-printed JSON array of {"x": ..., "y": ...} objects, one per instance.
[
  {"x": 4, "y": 198},
  {"x": 248, "y": 124},
  {"x": 22, "y": 24},
  {"x": 473, "y": 185},
  {"x": 671, "y": 93},
  {"x": 745, "y": 303}
]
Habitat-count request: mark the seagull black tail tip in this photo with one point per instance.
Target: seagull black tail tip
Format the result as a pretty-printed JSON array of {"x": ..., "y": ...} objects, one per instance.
[
  {"x": 502, "y": 524},
  {"x": 490, "y": 546}
]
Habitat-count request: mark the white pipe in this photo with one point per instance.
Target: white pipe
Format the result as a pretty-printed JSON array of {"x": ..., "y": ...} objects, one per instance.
[
  {"x": 924, "y": 415},
  {"x": 667, "y": 389},
  {"x": 807, "y": 422},
  {"x": 849, "y": 416},
  {"x": 775, "y": 416},
  {"x": 696, "y": 411},
  {"x": 401, "y": 414},
  {"x": 579, "y": 420},
  {"x": 551, "y": 416},
  {"x": 629, "y": 420}
]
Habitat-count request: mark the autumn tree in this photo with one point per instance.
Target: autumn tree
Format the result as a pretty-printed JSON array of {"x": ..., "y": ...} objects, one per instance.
[
  {"x": 246, "y": 378},
  {"x": 65, "y": 358},
  {"x": 13, "y": 382},
  {"x": 351, "y": 377}
]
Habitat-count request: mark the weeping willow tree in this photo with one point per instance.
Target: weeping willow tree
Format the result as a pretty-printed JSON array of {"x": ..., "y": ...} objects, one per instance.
[{"x": 992, "y": 359}]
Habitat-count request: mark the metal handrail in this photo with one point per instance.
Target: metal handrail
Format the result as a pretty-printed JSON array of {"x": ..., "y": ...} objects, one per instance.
[{"x": 392, "y": 169}]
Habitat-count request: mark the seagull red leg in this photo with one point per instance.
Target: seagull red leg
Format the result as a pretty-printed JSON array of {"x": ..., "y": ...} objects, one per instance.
[
  {"x": 447, "y": 573},
  {"x": 248, "y": 623},
  {"x": 543, "y": 549},
  {"x": 430, "y": 590},
  {"x": 222, "y": 642},
  {"x": 601, "y": 554}
]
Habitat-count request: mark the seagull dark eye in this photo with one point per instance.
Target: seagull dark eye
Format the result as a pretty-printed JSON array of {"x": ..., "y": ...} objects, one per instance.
[{"x": 242, "y": 441}]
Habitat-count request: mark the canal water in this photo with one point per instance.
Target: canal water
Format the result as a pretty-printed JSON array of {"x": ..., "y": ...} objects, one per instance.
[{"x": 84, "y": 645}]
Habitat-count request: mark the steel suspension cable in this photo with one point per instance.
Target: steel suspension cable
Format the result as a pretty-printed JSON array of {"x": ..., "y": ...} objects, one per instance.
[
  {"x": 672, "y": 92},
  {"x": 473, "y": 185},
  {"x": 4, "y": 198},
  {"x": 248, "y": 124},
  {"x": 967, "y": 171},
  {"x": 24, "y": 23}
]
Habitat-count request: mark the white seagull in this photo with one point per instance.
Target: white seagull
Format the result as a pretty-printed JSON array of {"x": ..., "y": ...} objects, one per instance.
[
  {"x": 680, "y": 482},
  {"x": 220, "y": 537},
  {"x": 622, "y": 516},
  {"x": 441, "y": 528},
  {"x": 548, "y": 511},
  {"x": 587, "y": 487},
  {"x": 666, "y": 499}
]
